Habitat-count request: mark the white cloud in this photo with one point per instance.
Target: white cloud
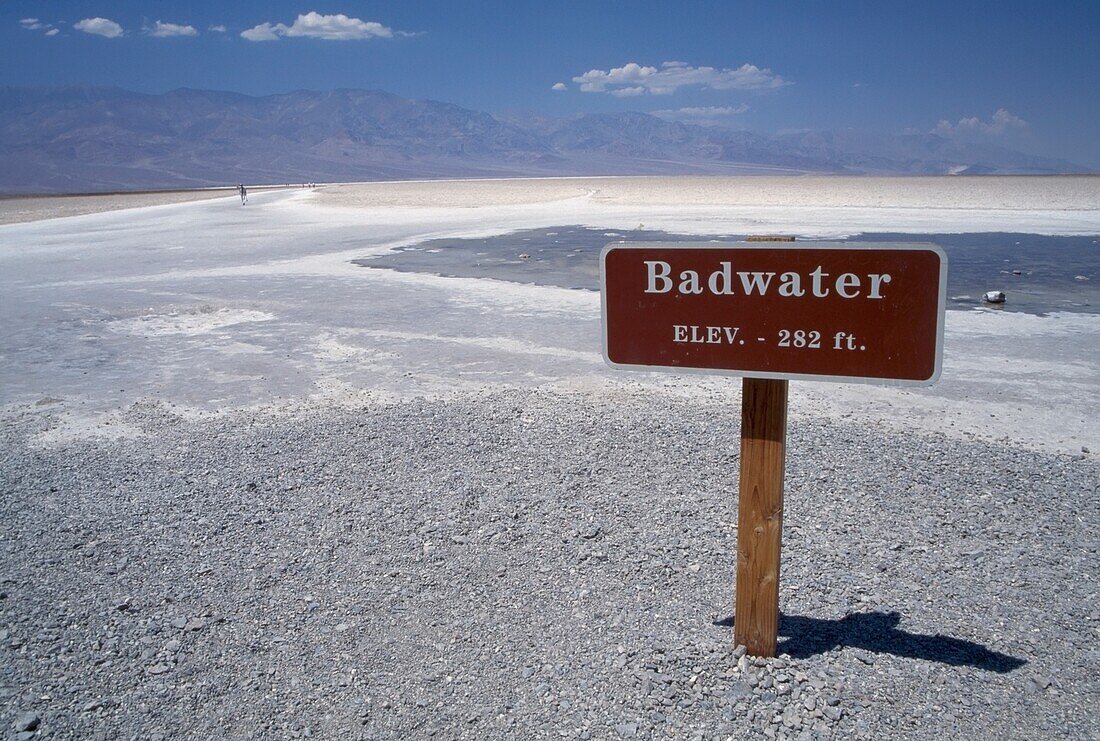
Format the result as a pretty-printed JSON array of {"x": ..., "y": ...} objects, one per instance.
[
  {"x": 634, "y": 79},
  {"x": 559, "y": 86},
  {"x": 336, "y": 27},
  {"x": 99, "y": 27},
  {"x": 217, "y": 29},
  {"x": 165, "y": 30},
  {"x": 1002, "y": 122},
  {"x": 33, "y": 24},
  {"x": 263, "y": 32}
]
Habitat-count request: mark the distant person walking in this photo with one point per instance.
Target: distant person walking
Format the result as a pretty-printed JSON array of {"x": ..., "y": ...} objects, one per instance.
[{"x": 244, "y": 194}]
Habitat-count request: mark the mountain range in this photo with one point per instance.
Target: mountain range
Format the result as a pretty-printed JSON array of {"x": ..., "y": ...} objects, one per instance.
[{"x": 104, "y": 139}]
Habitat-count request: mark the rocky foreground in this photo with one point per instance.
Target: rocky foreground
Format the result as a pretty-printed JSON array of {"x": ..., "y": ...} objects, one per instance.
[{"x": 524, "y": 564}]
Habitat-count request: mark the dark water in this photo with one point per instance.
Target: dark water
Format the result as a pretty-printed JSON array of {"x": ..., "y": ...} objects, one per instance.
[{"x": 1038, "y": 274}]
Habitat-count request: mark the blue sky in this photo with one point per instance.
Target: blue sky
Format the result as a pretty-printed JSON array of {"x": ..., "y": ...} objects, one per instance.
[{"x": 1021, "y": 74}]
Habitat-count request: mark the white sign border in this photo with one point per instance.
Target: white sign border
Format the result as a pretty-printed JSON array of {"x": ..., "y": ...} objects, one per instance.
[{"x": 941, "y": 308}]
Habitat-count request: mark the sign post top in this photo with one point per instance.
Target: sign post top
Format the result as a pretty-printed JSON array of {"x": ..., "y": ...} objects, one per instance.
[{"x": 830, "y": 311}]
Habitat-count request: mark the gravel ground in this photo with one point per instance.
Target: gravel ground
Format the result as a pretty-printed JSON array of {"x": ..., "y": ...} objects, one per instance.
[{"x": 520, "y": 564}]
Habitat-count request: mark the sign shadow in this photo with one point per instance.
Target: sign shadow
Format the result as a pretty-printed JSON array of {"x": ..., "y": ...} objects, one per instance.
[{"x": 877, "y": 632}]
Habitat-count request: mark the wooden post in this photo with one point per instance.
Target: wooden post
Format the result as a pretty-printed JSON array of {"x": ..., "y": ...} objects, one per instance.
[{"x": 760, "y": 514}]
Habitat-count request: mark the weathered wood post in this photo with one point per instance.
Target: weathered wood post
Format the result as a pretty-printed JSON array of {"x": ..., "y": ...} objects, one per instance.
[{"x": 760, "y": 514}]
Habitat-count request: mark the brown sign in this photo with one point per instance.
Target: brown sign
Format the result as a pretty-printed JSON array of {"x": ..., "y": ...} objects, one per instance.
[{"x": 824, "y": 311}]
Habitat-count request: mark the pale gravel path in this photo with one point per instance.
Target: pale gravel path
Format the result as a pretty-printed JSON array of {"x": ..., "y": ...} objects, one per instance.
[{"x": 22, "y": 209}]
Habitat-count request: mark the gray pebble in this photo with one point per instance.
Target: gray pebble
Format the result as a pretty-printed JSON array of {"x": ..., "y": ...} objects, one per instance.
[
  {"x": 627, "y": 730},
  {"x": 27, "y": 721}
]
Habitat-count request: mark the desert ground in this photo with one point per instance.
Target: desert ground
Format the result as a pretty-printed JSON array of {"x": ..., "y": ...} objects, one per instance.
[
  {"x": 18, "y": 209},
  {"x": 254, "y": 487}
]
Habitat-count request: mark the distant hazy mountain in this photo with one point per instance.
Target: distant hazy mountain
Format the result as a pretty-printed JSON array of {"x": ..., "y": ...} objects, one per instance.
[{"x": 72, "y": 140}]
